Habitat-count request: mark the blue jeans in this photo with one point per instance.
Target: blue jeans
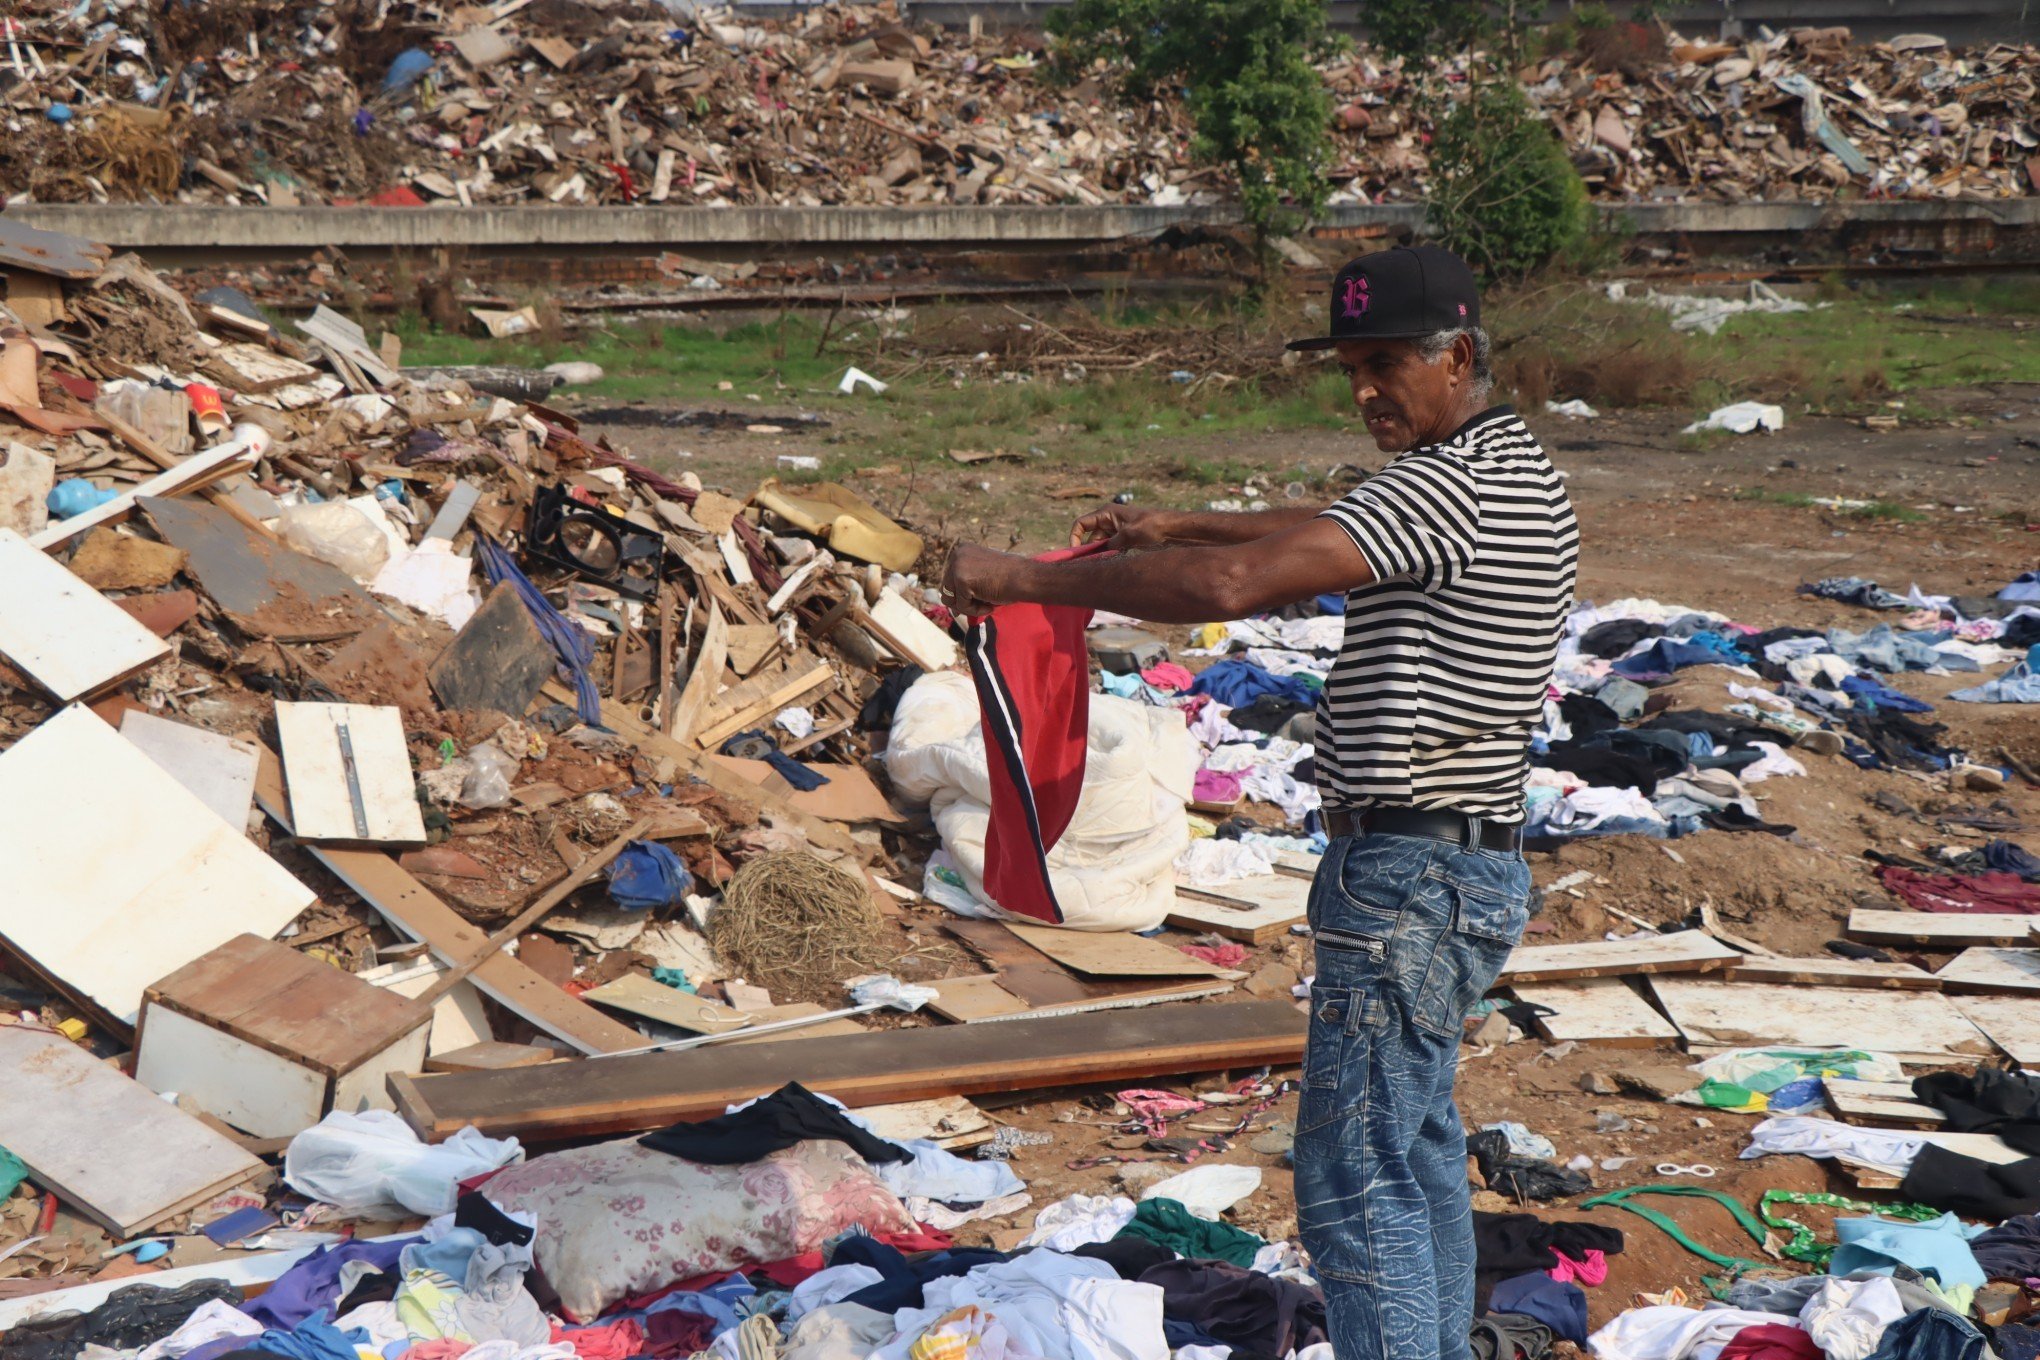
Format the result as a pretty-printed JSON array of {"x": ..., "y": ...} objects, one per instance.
[{"x": 1409, "y": 932}]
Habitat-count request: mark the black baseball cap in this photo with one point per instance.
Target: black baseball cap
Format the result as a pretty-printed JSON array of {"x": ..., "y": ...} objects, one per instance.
[{"x": 1400, "y": 294}]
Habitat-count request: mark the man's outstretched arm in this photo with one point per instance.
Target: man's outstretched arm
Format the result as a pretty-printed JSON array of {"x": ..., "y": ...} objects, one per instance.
[
  {"x": 1127, "y": 527},
  {"x": 1174, "y": 585}
]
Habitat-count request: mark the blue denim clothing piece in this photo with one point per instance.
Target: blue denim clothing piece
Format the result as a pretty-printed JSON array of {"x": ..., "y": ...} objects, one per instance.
[
  {"x": 1930, "y": 1334},
  {"x": 1871, "y": 693},
  {"x": 1883, "y": 648},
  {"x": 1409, "y": 933},
  {"x": 2026, "y": 587},
  {"x": 2019, "y": 685}
]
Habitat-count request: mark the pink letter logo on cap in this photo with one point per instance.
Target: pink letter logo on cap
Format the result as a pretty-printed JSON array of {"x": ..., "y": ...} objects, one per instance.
[{"x": 1356, "y": 298}]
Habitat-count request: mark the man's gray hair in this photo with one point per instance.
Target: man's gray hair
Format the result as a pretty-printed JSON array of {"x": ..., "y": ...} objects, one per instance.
[{"x": 1432, "y": 347}]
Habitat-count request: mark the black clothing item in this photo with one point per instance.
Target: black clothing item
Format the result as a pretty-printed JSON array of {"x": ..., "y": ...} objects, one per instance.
[
  {"x": 1615, "y": 637},
  {"x": 473, "y": 1210},
  {"x": 2011, "y": 1250},
  {"x": 1508, "y": 1336},
  {"x": 132, "y": 1317},
  {"x": 878, "y": 710},
  {"x": 1866, "y": 953},
  {"x": 1513, "y": 1175},
  {"x": 1507, "y": 1245},
  {"x": 378, "y": 1286},
  {"x": 792, "y": 1114},
  {"x": 2017, "y": 1341},
  {"x": 1735, "y": 819},
  {"x": 1999, "y": 1100},
  {"x": 1131, "y": 1257},
  {"x": 1243, "y": 1309},
  {"x": 1587, "y": 716},
  {"x": 1896, "y": 740},
  {"x": 1267, "y": 714},
  {"x": 1963, "y": 1185},
  {"x": 904, "y": 1276},
  {"x": 1601, "y": 767},
  {"x": 1725, "y": 728}
]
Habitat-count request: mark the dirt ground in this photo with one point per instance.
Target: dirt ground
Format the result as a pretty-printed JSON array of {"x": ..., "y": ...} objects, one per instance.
[{"x": 1709, "y": 525}]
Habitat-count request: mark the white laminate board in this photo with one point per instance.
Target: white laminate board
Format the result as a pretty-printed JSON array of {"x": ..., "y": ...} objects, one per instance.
[
  {"x": 1595, "y": 1010},
  {"x": 321, "y": 801},
  {"x": 114, "y": 874},
  {"x": 60, "y": 632},
  {"x": 1914, "y": 1026},
  {"x": 2012, "y": 1022},
  {"x": 219, "y": 771},
  {"x": 1993, "y": 970}
]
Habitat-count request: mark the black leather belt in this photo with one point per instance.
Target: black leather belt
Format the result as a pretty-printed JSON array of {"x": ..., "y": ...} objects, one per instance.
[{"x": 1456, "y": 827}]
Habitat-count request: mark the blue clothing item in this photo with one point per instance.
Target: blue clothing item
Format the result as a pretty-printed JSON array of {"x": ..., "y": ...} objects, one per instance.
[
  {"x": 1931, "y": 1334},
  {"x": 314, "y": 1283},
  {"x": 1665, "y": 655},
  {"x": 1939, "y": 1246},
  {"x": 2025, "y": 588},
  {"x": 2019, "y": 685},
  {"x": 1234, "y": 682},
  {"x": 1885, "y": 649},
  {"x": 2008, "y": 857},
  {"x": 645, "y": 875},
  {"x": 408, "y": 68},
  {"x": 1855, "y": 590},
  {"x": 1131, "y": 686},
  {"x": 1870, "y": 693},
  {"x": 901, "y": 1287},
  {"x": 1559, "y": 1305},
  {"x": 719, "y": 1301},
  {"x": 1335, "y": 603},
  {"x": 312, "y": 1339},
  {"x": 449, "y": 1255},
  {"x": 1409, "y": 933}
]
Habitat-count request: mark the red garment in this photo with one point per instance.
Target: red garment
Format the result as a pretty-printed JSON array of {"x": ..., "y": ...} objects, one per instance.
[
  {"x": 1962, "y": 892},
  {"x": 1033, "y": 680},
  {"x": 675, "y": 1331},
  {"x": 794, "y": 1269},
  {"x": 618, "y": 1340},
  {"x": 1217, "y": 955},
  {"x": 1771, "y": 1341}
]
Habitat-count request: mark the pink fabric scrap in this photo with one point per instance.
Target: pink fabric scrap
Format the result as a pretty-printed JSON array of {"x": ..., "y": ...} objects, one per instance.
[
  {"x": 1168, "y": 677},
  {"x": 1154, "y": 1109},
  {"x": 1591, "y": 1270},
  {"x": 618, "y": 1340},
  {"x": 1216, "y": 786},
  {"x": 439, "y": 1349},
  {"x": 1217, "y": 955}
]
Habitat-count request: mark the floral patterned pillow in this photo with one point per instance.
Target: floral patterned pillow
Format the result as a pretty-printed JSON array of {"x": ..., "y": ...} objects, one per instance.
[{"x": 618, "y": 1219}]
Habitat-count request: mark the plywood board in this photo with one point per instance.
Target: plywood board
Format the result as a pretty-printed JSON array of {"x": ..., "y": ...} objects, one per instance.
[
  {"x": 1297, "y": 863},
  {"x": 796, "y": 1010},
  {"x": 414, "y": 910},
  {"x": 1993, "y": 970},
  {"x": 876, "y": 1067},
  {"x": 2011, "y": 1022},
  {"x": 324, "y": 784},
  {"x": 968, "y": 1000},
  {"x": 104, "y": 1142},
  {"x": 1596, "y": 1010},
  {"x": 265, "y": 588},
  {"x": 851, "y": 795},
  {"x": 911, "y": 635},
  {"x": 115, "y": 874},
  {"x": 1954, "y": 929},
  {"x": 60, "y": 632},
  {"x": 1911, "y": 1026},
  {"x": 1246, "y": 923},
  {"x": 219, "y": 771},
  {"x": 1887, "y": 1103},
  {"x": 1112, "y": 953},
  {"x": 640, "y": 995},
  {"x": 1819, "y": 971},
  {"x": 1684, "y": 951},
  {"x": 947, "y": 1121},
  {"x": 748, "y": 644}
]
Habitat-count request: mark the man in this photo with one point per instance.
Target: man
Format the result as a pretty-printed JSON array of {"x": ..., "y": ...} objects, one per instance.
[{"x": 1457, "y": 561}]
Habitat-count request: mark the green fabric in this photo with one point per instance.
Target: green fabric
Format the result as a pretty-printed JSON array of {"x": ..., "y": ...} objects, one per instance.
[
  {"x": 12, "y": 1173},
  {"x": 1619, "y": 1199},
  {"x": 673, "y": 977},
  {"x": 1805, "y": 1245},
  {"x": 1167, "y": 1222}
]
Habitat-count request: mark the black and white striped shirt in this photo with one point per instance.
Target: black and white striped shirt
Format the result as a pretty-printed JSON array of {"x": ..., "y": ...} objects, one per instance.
[{"x": 1447, "y": 656}]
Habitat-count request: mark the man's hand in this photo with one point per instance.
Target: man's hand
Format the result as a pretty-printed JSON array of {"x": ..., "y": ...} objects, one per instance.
[
  {"x": 1126, "y": 526},
  {"x": 974, "y": 579}
]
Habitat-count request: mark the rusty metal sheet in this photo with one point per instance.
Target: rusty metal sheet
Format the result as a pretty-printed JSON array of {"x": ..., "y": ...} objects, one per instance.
[{"x": 50, "y": 252}]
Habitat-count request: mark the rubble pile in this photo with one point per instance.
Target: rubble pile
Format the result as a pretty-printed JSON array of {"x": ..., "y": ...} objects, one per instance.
[{"x": 282, "y": 103}]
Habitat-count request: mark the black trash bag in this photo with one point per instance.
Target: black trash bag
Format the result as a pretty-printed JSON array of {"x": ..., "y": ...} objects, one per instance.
[
  {"x": 131, "y": 1318},
  {"x": 1519, "y": 1177}
]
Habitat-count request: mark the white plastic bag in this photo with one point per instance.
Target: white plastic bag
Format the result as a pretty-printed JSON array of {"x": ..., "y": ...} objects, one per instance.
[
  {"x": 490, "y": 771},
  {"x": 372, "y": 1160},
  {"x": 336, "y": 532}
]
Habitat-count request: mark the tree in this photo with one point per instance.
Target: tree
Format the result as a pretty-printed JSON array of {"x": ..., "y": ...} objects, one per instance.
[
  {"x": 1245, "y": 72},
  {"x": 1504, "y": 194}
]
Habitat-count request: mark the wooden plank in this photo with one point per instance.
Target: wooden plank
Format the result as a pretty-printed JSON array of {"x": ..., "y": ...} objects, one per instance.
[
  {"x": 2011, "y": 1022},
  {"x": 498, "y": 661},
  {"x": 1993, "y": 970},
  {"x": 1886, "y": 1103},
  {"x": 1297, "y": 863},
  {"x": 264, "y": 587},
  {"x": 785, "y": 687},
  {"x": 1832, "y": 972},
  {"x": 699, "y": 691},
  {"x": 969, "y": 1000},
  {"x": 1911, "y": 1026},
  {"x": 60, "y": 632},
  {"x": 749, "y": 645},
  {"x": 655, "y": 1089},
  {"x": 104, "y": 1142},
  {"x": 1254, "y": 911},
  {"x": 413, "y": 910},
  {"x": 1684, "y": 951},
  {"x": 490, "y": 1056},
  {"x": 796, "y": 1010},
  {"x": 1953, "y": 929},
  {"x": 1596, "y": 1010},
  {"x": 1112, "y": 953},
  {"x": 115, "y": 874},
  {"x": 909, "y": 634},
  {"x": 323, "y": 787},
  {"x": 219, "y": 771},
  {"x": 639, "y": 995},
  {"x": 197, "y": 470}
]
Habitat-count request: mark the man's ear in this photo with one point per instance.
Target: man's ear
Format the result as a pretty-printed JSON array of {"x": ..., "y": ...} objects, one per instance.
[{"x": 1461, "y": 364}]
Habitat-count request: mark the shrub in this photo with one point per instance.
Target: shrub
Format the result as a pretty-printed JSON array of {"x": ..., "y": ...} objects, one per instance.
[{"x": 1504, "y": 193}]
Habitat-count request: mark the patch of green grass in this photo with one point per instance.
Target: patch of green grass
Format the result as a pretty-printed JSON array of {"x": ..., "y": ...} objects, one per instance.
[{"x": 1876, "y": 509}]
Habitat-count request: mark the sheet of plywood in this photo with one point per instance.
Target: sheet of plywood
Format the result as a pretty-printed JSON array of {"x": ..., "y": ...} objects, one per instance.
[
  {"x": 851, "y": 795},
  {"x": 1595, "y": 1010},
  {"x": 414, "y": 910},
  {"x": 984, "y": 997},
  {"x": 1297, "y": 863},
  {"x": 1832, "y": 972},
  {"x": 880, "y": 1066},
  {"x": 796, "y": 1010},
  {"x": 1993, "y": 970},
  {"x": 2011, "y": 1022},
  {"x": 640, "y": 995},
  {"x": 968, "y": 1000},
  {"x": 1955, "y": 929},
  {"x": 1684, "y": 951},
  {"x": 267, "y": 589},
  {"x": 1240, "y": 919},
  {"x": 219, "y": 771},
  {"x": 113, "y": 874},
  {"x": 947, "y": 1121},
  {"x": 60, "y": 632},
  {"x": 105, "y": 1143},
  {"x": 1884, "y": 1103},
  {"x": 1112, "y": 953},
  {"x": 748, "y": 644},
  {"x": 1268, "y": 890},
  {"x": 321, "y": 793},
  {"x": 1912, "y": 1026}
]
